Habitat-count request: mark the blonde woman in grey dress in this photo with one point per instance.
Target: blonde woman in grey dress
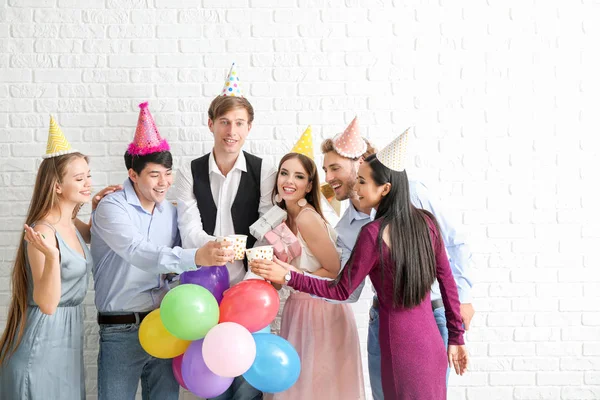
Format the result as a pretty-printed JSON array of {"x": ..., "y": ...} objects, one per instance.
[{"x": 41, "y": 349}]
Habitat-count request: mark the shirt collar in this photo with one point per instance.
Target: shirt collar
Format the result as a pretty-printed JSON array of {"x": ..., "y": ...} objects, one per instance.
[
  {"x": 240, "y": 164},
  {"x": 355, "y": 215},
  {"x": 132, "y": 197}
]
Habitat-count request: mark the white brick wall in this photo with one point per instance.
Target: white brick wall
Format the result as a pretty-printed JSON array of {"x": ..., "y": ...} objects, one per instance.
[{"x": 503, "y": 96}]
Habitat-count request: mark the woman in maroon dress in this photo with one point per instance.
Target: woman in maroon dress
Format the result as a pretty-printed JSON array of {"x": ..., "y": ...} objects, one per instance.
[{"x": 402, "y": 252}]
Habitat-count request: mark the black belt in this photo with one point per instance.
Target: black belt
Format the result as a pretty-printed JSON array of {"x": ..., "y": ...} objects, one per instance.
[
  {"x": 437, "y": 303},
  {"x": 119, "y": 319}
]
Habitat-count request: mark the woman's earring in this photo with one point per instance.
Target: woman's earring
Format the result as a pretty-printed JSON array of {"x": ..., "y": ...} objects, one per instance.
[
  {"x": 302, "y": 202},
  {"x": 277, "y": 198}
]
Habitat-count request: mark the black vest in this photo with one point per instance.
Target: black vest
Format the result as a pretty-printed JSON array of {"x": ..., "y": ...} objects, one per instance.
[{"x": 244, "y": 210}]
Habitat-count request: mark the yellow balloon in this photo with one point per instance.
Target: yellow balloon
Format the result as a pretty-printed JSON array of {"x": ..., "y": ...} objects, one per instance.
[{"x": 157, "y": 341}]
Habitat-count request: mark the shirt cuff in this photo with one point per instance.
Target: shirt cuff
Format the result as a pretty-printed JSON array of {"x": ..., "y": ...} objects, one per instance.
[
  {"x": 188, "y": 260},
  {"x": 293, "y": 281},
  {"x": 456, "y": 340}
]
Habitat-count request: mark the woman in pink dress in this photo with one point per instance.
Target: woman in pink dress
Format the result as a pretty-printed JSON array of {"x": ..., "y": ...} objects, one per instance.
[
  {"x": 402, "y": 252},
  {"x": 323, "y": 333}
]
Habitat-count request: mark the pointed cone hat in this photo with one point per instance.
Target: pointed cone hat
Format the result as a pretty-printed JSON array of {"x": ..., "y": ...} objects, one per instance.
[
  {"x": 394, "y": 155},
  {"x": 232, "y": 83},
  {"x": 349, "y": 143},
  {"x": 147, "y": 140},
  {"x": 58, "y": 144},
  {"x": 305, "y": 144}
]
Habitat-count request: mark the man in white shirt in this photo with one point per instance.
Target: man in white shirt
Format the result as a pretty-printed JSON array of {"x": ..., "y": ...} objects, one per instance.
[{"x": 224, "y": 192}]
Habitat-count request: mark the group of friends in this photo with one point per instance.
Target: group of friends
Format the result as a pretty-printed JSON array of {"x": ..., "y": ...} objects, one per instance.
[{"x": 393, "y": 231}]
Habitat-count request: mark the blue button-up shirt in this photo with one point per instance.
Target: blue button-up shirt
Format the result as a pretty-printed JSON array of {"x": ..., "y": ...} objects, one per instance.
[
  {"x": 459, "y": 254},
  {"x": 458, "y": 251},
  {"x": 132, "y": 249},
  {"x": 348, "y": 229}
]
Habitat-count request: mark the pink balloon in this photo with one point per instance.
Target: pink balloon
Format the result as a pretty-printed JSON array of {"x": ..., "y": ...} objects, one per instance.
[
  {"x": 229, "y": 349},
  {"x": 177, "y": 371}
]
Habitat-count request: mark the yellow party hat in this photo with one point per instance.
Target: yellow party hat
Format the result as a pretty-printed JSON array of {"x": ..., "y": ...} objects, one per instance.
[
  {"x": 58, "y": 144},
  {"x": 305, "y": 144},
  {"x": 394, "y": 154}
]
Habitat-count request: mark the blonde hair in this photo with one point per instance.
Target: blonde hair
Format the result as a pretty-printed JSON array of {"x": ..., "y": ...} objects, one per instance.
[{"x": 43, "y": 200}]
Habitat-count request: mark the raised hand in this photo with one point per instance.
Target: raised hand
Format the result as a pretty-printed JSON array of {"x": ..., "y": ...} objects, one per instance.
[
  {"x": 41, "y": 243},
  {"x": 285, "y": 265},
  {"x": 269, "y": 270},
  {"x": 100, "y": 195},
  {"x": 214, "y": 253}
]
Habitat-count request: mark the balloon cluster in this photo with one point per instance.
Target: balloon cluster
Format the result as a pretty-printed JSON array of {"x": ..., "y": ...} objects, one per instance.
[{"x": 215, "y": 333}]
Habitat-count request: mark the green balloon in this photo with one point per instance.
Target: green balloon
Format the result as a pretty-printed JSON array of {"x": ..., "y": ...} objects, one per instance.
[{"x": 189, "y": 312}]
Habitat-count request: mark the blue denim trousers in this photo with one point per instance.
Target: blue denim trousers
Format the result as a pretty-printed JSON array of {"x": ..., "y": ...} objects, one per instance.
[
  {"x": 374, "y": 351},
  {"x": 122, "y": 363}
]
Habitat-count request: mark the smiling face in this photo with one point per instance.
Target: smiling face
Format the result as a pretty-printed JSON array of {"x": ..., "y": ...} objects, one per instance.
[
  {"x": 152, "y": 183},
  {"x": 340, "y": 173},
  {"x": 293, "y": 181},
  {"x": 368, "y": 192},
  {"x": 230, "y": 130},
  {"x": 76, "y": 183}
]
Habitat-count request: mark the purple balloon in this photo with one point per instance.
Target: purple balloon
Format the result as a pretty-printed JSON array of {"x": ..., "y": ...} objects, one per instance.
[
  {"x": 215, "y": 279},
  {"x": 197, "y": 377}
]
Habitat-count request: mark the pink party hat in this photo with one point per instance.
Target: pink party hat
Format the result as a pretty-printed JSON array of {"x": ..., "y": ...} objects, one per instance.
[
  {"x": 147, "y": 140},
  {"x": 349, "y": 143}
]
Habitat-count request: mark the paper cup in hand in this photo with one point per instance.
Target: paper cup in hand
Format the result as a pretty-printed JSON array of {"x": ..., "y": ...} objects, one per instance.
[
  {"x": 260, "y": 253},
  {"x": 226, "y": 238},
  {"x": 239, "y": 245}
]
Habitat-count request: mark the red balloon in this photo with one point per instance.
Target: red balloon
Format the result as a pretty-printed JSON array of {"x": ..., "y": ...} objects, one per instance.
[
  {"x": 177, "y": 371},
  {"x": 253, "y": 303}
]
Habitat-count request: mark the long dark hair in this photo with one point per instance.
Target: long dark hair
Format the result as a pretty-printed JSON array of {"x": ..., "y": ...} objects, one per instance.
[
  {"x": 43, "y": 200},
  {"x": 314, "y": 196},
  {"x": 413, "y": 257}
]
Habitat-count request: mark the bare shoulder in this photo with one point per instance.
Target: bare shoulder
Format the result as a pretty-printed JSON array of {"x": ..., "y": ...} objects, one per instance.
[
  {"x": 44, "y": 229},
  {"x": 310, "y": 221},
  {"x": 309, "y": 217},
  {"x": 48, "y": 237}
]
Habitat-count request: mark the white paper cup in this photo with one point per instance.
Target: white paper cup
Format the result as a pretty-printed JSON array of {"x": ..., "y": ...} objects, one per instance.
[
  {"x": 260, "y": 253},
  {"x": 239, "y": 245}
]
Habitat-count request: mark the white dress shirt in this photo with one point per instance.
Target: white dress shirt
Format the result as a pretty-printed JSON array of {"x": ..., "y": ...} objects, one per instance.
[{"x": 224, "y": 190}]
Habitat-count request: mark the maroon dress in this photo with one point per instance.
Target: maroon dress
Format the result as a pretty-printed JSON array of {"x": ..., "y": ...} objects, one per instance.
[{"x": 413, "y": 357}]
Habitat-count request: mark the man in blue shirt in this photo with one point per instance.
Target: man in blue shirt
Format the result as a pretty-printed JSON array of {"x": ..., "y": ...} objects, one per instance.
[
  {"x": 135, "y": 243},
  {"x": 342, "y": 156}
]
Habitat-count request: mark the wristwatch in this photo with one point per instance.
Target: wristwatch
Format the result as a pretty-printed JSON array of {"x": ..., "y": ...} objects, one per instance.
[{"x": 287, "y": 277}]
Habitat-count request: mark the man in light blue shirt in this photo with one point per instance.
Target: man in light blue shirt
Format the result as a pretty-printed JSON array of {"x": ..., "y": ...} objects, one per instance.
[
  {"x": 341, "y": 174},
  {"x": 135, "y": 243}
]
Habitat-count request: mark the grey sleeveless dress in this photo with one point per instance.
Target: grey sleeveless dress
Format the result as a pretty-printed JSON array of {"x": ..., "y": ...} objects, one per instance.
[{"x": 48, "y": 363}]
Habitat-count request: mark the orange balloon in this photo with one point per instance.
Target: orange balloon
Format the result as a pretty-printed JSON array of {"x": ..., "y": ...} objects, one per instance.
[{"x": 157, "y": 341}]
